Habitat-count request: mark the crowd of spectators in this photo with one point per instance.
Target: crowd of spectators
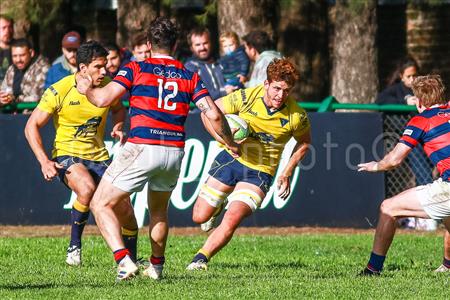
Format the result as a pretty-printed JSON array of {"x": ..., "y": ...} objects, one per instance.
[{"x": 25, "y": 75}]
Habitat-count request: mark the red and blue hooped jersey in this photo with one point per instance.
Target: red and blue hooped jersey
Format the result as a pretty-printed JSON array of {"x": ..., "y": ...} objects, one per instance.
[
  {"x": 432, "y": 129},
  {"x": 161, "y": 89}
]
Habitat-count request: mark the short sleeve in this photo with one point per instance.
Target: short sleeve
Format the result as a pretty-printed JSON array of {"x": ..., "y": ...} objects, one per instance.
[
  {"x": 414, "y": 131},
  {"x": 301, "y": 123},
  {"x": 233, "y": 102},
  {"x": 125, "y": 76},
  {"x": 49, "y": 100},
  {"x": 200, "y": 90}
]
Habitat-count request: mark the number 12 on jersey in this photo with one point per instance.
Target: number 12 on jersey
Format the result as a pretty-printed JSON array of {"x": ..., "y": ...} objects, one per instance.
[{"x": 171, "y": 93}]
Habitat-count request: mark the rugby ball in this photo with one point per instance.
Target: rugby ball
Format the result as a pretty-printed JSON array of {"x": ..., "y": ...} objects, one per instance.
[{"x": 236, "y": 122}]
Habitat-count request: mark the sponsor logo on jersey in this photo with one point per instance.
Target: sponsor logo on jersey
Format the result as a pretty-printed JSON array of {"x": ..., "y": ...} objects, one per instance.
[
  {"x": 122, "y": 73},
  {"x": 74, "y": 102},
  {"x": 89, "y": 128},
  {"x": 408, "y": 132},
  {"x": 167, "y": 74},
  {"x": 283, "y": 122}
]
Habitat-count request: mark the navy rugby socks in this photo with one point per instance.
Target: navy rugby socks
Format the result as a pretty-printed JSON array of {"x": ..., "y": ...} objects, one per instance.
[
  {"x": 79, "y": 218},
  {"x": 201, "y": 255},
  {"x": 446, "y": 262},
  {"x": 129, "y": 237},
  {"x": 375, "y": 262}
]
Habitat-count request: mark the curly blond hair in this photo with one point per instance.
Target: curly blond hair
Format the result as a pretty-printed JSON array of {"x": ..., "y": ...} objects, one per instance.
[
  {"x": 429, "y": 89},
  {"x": 282, "y": 69}
]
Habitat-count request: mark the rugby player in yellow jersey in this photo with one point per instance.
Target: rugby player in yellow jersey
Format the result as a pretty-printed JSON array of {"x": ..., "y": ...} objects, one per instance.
[
  {"x": 273, "y": 119},
  {"x": 79, "y": 156}
]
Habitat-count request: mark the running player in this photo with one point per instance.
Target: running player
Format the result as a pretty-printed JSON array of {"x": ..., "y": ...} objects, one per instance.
[
  {"x": 273, "y": 119},
  {"x": 161, "y": 89},
  {"x": 79, "y": 156},
  {"x": 431, "y": 128}
]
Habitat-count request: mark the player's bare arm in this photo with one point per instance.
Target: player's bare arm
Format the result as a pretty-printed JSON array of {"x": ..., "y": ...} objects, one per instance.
[
  {"x": 36, "y": 121},
  {"x": 215, "y": 122},
  {"x": 118, "y": 117},
  {"x": 392, "y": 160},
  {"x": 99, "y": 96},
  {"x": 298, "y": 153}
]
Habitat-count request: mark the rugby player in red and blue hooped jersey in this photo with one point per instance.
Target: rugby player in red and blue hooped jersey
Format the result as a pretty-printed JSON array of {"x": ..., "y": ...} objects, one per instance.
[
  {"x": 161, "y": 90},
  {"x": 431, "y": 128}
]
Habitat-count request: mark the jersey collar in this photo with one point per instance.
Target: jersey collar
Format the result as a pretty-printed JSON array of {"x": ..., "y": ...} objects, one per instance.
[
  {"x": 162, "y": 56},
  {"x": 272, "y": 112}
]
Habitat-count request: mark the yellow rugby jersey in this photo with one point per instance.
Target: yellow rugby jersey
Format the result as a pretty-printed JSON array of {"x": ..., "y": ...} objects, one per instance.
[
  {"x": 80, "y": 125},
  {"x": 269, "y": 131}
]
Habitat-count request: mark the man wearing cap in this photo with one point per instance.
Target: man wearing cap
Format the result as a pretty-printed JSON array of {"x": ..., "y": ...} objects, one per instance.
[{"x": 68, "y": 65}]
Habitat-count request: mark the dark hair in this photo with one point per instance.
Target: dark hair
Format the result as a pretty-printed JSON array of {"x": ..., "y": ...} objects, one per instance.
[
  {"x": 7, "y": 18},
  {"x": 138, "y": 39},
  {"x": 89, "y": 51},
  {"x": 162, "y": 33},
  {"x": 22, "y": 42},
  {"x": 110, "y": 46},
  {"x": 199, "y": 30},
  {"x": 401, "y": 66},
  {"x": 259, "y": 40}
]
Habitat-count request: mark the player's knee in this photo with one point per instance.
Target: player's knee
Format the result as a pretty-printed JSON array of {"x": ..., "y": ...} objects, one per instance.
[
  {"x": 86, "y": 191},
  {"x": 386, "y": 208},
  {"x": 199, "y": 217}
]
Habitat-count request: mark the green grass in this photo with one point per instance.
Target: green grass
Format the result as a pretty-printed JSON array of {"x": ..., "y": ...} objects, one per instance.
[{"x": 250, "y": 267}]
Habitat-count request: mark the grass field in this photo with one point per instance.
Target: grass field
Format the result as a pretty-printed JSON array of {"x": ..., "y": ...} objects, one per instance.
[{"x": 319, "y": 266}]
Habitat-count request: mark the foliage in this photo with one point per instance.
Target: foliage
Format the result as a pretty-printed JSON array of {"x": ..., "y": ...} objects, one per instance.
[
  {"x": 36, "y": 11},
  {"x": 319, "y": 266},
  {"x": 210, "y": 11}
]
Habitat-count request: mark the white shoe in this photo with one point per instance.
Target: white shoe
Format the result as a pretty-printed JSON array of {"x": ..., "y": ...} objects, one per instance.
[
  {"x": 126, "y": 269},
  {"x": 73, "y": 257},
  {"x": 442, "y": 269},
  {"x": 211, "y": 223},
  {"x": 198, "y": 265},
  {"x": 154, "y": 271}
]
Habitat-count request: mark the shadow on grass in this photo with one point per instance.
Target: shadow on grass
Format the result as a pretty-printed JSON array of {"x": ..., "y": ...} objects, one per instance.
[
  {"x": 263, "y": 266},
  {"x": 40, "y": 286}
]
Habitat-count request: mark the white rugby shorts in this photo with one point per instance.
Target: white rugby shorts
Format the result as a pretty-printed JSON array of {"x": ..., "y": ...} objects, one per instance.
[
  {"x": 136, "y": 164},
  {"x": 435, "y": 198}
]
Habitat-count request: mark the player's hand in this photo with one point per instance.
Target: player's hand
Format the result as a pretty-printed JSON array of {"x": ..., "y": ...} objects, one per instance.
[
  {"x": 235, "y": 149},
  {"x": 284, "y": 187},
  {"x": 84, "y": 82},
  {"x": 50, "y": 169},
  {"x": 368, "y": 167},
  {"x": 233, "y": 131},
  {"x": 119, "y": 135},
  {"x": 411, "y": 100}
]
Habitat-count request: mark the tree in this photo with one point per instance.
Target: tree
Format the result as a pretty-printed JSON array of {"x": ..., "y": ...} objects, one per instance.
[
  {"x": 355, "y": 72},
  {"x": 303, "y": 36},
  {"x": 243, "y": 16},
  {"x": 134, "y": 16}
]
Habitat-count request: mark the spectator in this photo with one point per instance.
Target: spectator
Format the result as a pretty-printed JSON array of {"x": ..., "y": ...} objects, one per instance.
[
  {"x": 115, "y": 59},
  {"x": 68, "y": 65},
  {"x": 24, "y": 80},
  {"x": 140, "y": 49},
  {"x": 203, "y": 62},
  {"x": 234, "y": 62},
  {"x": 6, "y": 35},
  {"x": 258, "y": 47},
  {"x": 399, "y": 89}
]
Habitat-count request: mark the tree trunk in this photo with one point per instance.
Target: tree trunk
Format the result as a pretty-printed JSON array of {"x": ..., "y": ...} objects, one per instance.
[
  {"x": 243, "y": 16},
  {"x": 303, "y": 36},
  {"x": 355, "y": 71},
  {"x": 134, "y": 16}
]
